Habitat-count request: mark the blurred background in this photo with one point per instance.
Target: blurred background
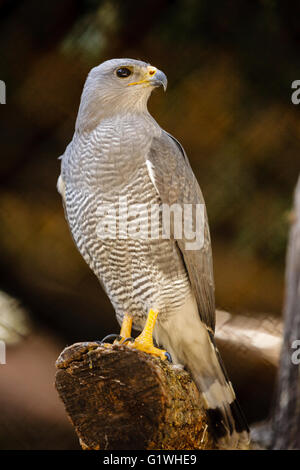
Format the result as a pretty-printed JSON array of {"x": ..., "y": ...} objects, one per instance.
[{"x": 230, "y": 66}]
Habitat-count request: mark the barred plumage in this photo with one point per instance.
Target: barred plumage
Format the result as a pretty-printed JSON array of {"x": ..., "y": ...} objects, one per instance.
[{"x": 118, "y": 153}]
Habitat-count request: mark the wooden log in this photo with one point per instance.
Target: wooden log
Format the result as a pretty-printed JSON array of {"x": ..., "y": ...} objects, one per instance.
[{"x": 118, "y": 398}]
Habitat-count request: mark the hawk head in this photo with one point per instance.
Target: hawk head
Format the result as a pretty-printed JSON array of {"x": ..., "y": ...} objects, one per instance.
[{"x": 117, "y": 86}]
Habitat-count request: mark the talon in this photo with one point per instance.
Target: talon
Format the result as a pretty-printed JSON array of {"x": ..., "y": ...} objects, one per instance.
[
  {"x": 104, "y": 340},
  {"x": 168, "y": 356},
  {"x": 130, "y": 339},
  {"x": 144, "y": 342},
  {"x": 124, "y": 336}
]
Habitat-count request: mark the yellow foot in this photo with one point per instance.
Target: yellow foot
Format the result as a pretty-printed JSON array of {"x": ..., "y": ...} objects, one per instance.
[
  {"x": 144, "y": 342},
  {"x": 124, "y": 333}
]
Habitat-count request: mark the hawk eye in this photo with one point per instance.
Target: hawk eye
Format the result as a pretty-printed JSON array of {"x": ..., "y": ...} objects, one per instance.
[{"x": 123, "y": 72}]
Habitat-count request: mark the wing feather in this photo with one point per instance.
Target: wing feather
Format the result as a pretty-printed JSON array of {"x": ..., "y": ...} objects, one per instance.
[{"x": 176, "y": 183}]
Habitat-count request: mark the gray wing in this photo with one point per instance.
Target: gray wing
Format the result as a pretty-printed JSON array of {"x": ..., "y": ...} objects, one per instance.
[{"x": 176, "y": 183}]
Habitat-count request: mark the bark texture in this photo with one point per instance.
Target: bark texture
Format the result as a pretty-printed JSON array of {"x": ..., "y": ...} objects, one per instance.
[
  {"x": 118, "y": 398},
  {"x": 286, "y": 421}
]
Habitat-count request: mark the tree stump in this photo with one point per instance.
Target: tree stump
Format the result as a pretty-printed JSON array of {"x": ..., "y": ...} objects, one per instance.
[{"x": 118, "y": 398}]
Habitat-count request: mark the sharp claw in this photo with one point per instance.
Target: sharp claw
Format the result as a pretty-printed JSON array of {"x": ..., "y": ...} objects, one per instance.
[
  {"x": 130, "y": 338},
  {"x": 169, "y": 357},
  {"x": 115, "y": 336}
]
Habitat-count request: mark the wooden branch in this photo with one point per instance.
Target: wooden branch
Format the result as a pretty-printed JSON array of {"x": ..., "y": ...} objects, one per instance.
[
  {"x": 286, "y": 419},
  {"x": 118, "y": 398}
]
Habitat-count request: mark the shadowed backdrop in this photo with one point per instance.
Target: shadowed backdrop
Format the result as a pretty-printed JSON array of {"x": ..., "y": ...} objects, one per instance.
[{"x": 230, "y": 66}]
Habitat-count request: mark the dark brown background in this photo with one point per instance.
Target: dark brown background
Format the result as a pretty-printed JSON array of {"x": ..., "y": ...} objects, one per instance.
[{"x": 230, "y": 66}]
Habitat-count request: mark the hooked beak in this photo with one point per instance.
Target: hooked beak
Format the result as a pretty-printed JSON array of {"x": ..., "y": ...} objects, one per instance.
[
  {"x": 159, "y": 79},
  {"x": 154, "y": 77}
]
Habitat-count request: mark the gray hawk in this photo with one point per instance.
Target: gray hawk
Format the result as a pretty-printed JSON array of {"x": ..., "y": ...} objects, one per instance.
[{"x": 119, "y": 153}]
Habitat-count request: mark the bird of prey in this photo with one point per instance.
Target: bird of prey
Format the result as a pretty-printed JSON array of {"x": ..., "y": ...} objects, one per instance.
[{"x": 157, "y": 284}]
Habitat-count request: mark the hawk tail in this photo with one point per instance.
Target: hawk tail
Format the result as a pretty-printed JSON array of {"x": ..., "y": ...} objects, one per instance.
[{"x": 225, "y": 415}]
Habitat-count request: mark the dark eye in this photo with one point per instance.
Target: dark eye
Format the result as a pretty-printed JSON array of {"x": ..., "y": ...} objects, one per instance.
[{"x": 123, "y": 72}]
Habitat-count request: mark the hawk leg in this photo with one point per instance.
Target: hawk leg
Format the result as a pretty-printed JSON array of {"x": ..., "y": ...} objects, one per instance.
[
  {"x": 125, "y": 332},
  {"x": 144, "y": 342},
  {"x": 124, "y": 335}
]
